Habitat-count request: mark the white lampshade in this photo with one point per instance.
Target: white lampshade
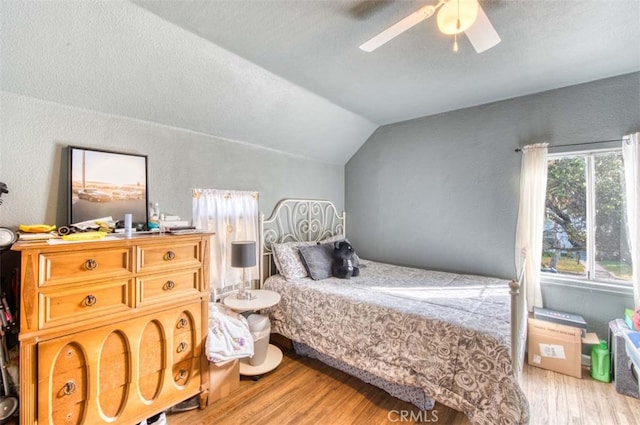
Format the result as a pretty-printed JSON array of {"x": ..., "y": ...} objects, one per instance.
[{"x": 464, "y": 10}]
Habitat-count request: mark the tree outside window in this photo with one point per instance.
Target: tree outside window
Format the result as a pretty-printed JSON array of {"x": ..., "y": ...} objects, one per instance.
[{"x": 585, "y": 229}]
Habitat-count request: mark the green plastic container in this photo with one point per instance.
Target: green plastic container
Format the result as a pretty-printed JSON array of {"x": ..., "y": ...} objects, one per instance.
[{"x": 601, "y": 362}]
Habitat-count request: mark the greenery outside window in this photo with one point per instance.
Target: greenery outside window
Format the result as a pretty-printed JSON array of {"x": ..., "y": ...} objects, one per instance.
[{"x": 585, "y": 231}]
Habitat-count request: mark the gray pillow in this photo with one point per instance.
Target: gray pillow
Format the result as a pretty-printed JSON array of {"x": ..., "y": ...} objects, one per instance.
[{"x": 317, "y": 260}]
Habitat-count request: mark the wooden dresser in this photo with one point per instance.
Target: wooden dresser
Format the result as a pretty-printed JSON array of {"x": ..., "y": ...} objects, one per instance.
[{"x": 112, "y": 331}]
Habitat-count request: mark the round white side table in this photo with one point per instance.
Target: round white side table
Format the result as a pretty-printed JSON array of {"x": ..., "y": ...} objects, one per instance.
[{"x": 262, "y": 299}]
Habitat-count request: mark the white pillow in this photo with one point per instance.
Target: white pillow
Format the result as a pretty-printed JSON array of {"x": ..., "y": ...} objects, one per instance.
[
  {"x": 288, "y": 260},
  {"x": 334, "y": 238}
]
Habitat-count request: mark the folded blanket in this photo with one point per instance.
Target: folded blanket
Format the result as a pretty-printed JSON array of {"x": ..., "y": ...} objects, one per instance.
[{"x": 228, "y": 336}]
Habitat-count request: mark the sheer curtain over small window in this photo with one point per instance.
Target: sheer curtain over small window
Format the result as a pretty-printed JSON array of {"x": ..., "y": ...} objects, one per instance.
[
  {"x": 232, "y": 216},
  {"x": 631, "y": 160},
  {"x": 531, "y": 217}
]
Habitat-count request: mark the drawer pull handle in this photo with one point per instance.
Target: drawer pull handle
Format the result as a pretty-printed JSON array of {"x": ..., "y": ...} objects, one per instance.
[
  {"x": 69, "y": 388},
  {"x": 91, "y": 264},
  {"x": 170, "y": 255},
  {"x": 182, "y": 323},
  {"x": 90, "y": 300},
  {"x": 182, "y": 373},
  {"x": 182, "y": 347},
  {"x": 169, "y": 285}
]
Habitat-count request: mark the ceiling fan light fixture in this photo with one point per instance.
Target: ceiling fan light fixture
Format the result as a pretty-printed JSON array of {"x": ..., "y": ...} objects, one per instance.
[{"x": 456, "y": 16}]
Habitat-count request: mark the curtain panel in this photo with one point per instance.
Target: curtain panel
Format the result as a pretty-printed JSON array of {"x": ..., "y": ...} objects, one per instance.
[
  {"x": 531, "y": 216},
  {"x": 631, "y": 160},
  {"x": 232, "y": 216}
]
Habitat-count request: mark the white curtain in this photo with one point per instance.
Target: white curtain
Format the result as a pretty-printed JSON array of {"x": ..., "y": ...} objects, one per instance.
[
  {"x": 631, "y": 158},
  {"x": 232, "y": 216},
  {"x": 531, "y": 216}
]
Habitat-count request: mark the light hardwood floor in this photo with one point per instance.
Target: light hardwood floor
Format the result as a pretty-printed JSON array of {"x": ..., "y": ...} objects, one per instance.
[{"x": 305, "y": 391}]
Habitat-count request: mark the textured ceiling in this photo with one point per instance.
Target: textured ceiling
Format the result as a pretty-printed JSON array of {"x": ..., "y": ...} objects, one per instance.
[
  {"x": 288, "y": 75},
  {"x": 117, "y": 58},
  {"x": 546, "y": 44}
]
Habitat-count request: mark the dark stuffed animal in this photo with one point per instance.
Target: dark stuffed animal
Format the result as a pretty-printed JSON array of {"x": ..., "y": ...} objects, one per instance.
[{"x": 343, "y": 261}]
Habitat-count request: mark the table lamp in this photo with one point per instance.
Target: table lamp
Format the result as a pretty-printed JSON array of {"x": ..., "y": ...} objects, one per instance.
[{"x": 243, "y": 254}]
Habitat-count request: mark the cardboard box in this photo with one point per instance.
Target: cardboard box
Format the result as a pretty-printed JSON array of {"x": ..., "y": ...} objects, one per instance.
[
  {"x": 224, "y": 377},
  {"x": 557, "y": 347}
]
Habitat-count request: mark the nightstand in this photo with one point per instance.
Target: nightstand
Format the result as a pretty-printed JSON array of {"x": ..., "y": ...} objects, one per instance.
[{"x": 262, "y": 299}]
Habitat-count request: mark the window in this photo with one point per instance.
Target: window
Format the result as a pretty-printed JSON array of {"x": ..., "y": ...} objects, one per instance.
[{"x": 585, "y": 233}]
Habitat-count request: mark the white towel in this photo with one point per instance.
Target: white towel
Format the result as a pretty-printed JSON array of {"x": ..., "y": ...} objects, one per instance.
[{"x": 228, "y": 337}]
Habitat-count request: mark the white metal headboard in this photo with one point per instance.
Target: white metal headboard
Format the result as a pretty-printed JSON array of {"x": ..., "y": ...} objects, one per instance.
[{"x": 297, "y": 220}]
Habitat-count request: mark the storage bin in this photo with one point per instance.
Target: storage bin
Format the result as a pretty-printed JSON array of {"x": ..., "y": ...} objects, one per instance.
[
  {"x": 621, "y": 366},
  {"x": 260, "y": 329}
]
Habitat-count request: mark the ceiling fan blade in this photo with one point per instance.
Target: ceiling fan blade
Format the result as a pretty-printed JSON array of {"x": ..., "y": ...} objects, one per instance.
[
  {"x": 482, "y": 34},
  {"x": 398, "y": 28}
]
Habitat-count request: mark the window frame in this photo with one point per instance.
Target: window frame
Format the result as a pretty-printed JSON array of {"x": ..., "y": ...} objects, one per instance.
[{"x": 553, "y": 279}]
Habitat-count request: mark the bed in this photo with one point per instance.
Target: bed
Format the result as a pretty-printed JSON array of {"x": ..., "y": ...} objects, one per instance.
[{"x": 420, "y": 335}]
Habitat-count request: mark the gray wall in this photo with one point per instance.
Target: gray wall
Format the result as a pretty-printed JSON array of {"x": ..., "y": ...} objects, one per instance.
[
  {"x": 442, "y": 191},
  {"x": 34, "y": 134},
  {"x": 112, "y": 75}
]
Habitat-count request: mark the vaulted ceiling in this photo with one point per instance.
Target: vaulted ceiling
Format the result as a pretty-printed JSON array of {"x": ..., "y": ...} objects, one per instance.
[
  {"x": 545, "y": 44},
  {"x": 288, "y": 75}
]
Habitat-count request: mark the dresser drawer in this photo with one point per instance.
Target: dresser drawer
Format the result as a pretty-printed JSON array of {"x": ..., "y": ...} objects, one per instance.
[
  {"x": 65, "y": 267},
  {"x": 181, "y": 254},
  {"x": 183, "y": 347},
  {"x": 61, "y": 306},
  {"x": 184, "y": 338},
  {"x": 184, "y": 371},
  {"x": 157, "y": 288},
  {"x": 63, "y": 382}
]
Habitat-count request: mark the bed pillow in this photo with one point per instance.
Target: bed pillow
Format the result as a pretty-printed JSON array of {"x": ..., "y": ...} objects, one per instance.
[
  {"x": 317, "y": 259},
  {"x": 288, "y": 261},
  {"x": 287, "y": 258}
]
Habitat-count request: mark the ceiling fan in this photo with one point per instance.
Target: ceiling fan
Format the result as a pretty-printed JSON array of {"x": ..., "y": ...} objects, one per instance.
[{"x": 454, "y": 17}]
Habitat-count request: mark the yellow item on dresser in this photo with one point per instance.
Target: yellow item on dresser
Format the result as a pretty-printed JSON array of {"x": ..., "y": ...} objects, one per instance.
[
  {"x": 84, "y": 236},
  {"x": 37, "y": 228}
]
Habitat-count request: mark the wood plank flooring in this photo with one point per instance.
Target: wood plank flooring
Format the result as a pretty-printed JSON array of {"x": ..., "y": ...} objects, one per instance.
[{"x": 305, "y": 391}]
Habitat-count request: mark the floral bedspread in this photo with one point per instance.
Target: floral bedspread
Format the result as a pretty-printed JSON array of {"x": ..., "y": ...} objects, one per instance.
[{"x": 446, "y": 333}]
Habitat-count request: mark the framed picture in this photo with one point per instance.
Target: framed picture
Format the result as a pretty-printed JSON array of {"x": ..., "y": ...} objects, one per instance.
[{"x": 107, "y": 184}]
